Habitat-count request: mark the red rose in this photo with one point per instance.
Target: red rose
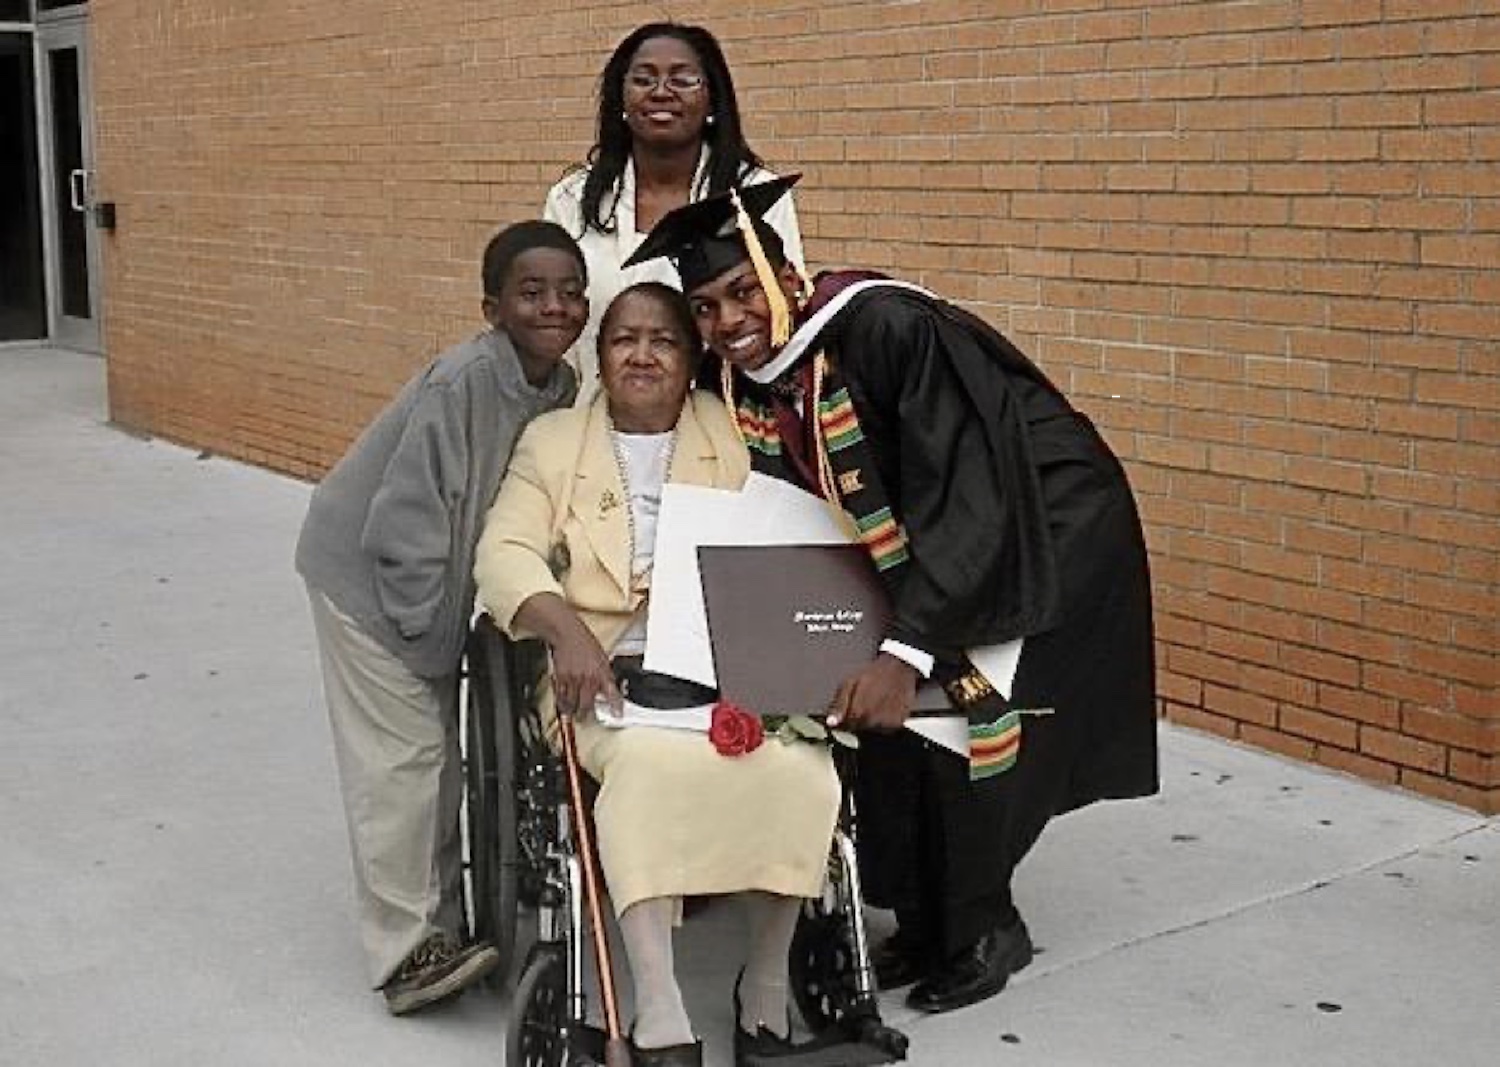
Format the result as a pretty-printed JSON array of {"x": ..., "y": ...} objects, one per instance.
[{"x": 734, "y": 731}]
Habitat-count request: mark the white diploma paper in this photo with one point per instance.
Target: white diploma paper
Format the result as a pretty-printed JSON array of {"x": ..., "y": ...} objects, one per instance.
[{"x": 765, "y": 512}]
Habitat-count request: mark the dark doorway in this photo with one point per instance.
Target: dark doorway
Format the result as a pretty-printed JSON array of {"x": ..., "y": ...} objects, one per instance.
[{"x": 23, "y": 304}]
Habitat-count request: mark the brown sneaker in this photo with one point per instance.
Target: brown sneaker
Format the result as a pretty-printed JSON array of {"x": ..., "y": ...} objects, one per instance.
[{"x": 437, "y": 969}]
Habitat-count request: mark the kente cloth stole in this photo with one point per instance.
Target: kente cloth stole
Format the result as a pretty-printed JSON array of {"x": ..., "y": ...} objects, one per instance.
[{"x": 840, "y": 465}]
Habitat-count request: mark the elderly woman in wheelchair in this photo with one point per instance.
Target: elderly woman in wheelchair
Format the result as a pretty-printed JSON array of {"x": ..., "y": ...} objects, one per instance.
[{"x": 566, "y": 556}]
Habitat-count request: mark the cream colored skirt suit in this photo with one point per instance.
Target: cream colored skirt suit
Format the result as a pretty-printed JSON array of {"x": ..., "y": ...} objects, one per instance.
[{"x": 674, "y": 817}]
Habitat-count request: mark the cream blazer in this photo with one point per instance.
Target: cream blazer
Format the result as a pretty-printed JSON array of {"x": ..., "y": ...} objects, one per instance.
[
  {"x": 562, "y": 507},
  {"x": 605, "y": 252}
]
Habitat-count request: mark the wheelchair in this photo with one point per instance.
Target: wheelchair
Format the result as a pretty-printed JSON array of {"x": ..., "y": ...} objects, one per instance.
[{"x": 526, "y": 882}]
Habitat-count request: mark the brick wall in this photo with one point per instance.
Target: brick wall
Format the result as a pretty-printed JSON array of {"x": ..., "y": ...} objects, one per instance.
[{"x": 1256, "y": 241}]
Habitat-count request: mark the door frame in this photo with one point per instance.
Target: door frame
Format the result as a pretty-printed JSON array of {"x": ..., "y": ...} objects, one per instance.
[{"x": 61, "y": 30}]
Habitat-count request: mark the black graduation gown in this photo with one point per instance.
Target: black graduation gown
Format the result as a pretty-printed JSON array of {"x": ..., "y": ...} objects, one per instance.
[{"x": 1020, "y": 523}]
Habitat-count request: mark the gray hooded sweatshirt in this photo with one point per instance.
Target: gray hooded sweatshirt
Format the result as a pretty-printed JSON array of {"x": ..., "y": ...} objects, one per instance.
[{"x": 390, "y": 533}]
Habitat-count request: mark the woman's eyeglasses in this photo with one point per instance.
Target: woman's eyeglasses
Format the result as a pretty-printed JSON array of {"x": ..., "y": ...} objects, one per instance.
[{"x": 679, "y": 81}]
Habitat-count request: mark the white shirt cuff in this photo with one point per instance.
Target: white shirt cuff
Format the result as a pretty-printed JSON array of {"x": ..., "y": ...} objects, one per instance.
[{"x": 915, "y": 658}]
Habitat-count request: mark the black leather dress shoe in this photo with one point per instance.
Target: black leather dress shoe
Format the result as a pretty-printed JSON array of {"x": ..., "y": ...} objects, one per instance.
[
  {"x": 896, "y": 962},
  {"x": 689, "y": 1055},
  {"x": 750, "y": 1049},
  {"x": 830, "y": 1049},
  {"x": 977, "y": 973}
]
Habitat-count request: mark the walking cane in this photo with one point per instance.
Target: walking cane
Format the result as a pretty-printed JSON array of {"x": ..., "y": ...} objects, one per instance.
[{"x": 616, "y": 1048}]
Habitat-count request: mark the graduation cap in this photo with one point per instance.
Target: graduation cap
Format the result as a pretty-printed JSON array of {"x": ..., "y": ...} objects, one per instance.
[{"x": 705, "y": 238}]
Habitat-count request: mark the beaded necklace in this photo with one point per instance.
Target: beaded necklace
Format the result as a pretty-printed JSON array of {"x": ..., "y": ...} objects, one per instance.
[{"x": 639, "y": 581}]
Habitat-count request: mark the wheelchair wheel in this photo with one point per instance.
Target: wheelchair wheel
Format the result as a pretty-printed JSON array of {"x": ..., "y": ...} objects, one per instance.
[
  {"x": 822, "y": 966},
  {"x": 489, "y": 772},
  {"x": 537, "y": 1034}
]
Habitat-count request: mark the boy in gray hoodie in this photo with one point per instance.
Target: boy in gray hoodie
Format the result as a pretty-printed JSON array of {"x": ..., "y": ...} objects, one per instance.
[{"x": 387, "y": 552}]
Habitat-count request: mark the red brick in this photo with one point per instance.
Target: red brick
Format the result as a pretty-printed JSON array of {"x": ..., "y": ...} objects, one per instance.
[
  {"x": 1353, "y": 763},
  {"x": 1198, "y": 664},
  {"x": 1485, "y": 801},
  {"x": 1416, "y": 421},
  {"x": 1275, "y": 622},
  {"x": 1471, "y": 768},
  {"x": 1359, "y": 705},
  {"x": 1279, "y": 561},
  {"x": 1461, "y": 597},
  {"x": 1315, "y": 726},
  {"x": 1360, "y": 642},
  {"x": 1285, "y": 744},
  {"x": 1199, "y": 719},
  {"x": 1404, "y": 751},
  {"x": 1325, "y": 540},
  {"x": 1445, "y": 728},
  {"x": 1406, "y": 621},
  {"x": 1239, "y": 705},
  {"x": 1474, "y": 668},
  {"x": 1472, "y": 635},
  {"x": 1270, "y": 438},
  {"x": 1454, "y": 529},
  {"x": 1320, "y": 665},
  {"x": 1403, "y": 683},
  {"x": 1479, "y": 703},
  {"x": 1180, "y": 689},
  {"x": 1222, "y": 522},
  {"x": 1411, "y": 556}
]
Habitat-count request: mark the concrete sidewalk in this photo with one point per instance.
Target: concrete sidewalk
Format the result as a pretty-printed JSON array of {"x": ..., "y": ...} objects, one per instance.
[{"x": 175, "y": 885}]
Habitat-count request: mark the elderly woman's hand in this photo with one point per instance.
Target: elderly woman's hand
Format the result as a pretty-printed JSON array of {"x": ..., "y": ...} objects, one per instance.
[
  {"x": 580, "y": 669},
  {"x": 581, "y": 672}
]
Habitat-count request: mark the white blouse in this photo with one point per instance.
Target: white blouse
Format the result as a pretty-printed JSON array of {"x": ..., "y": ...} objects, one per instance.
[
  {"x": 645, "y": 460},
  {"x": 604, "y": 252}
]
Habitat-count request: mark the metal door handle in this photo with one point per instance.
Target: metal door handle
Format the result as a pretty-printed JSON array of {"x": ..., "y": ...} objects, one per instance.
[{"x": 78, "y": 189}]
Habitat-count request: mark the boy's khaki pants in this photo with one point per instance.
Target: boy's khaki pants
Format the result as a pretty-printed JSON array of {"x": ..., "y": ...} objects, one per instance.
[{"x": 395, "y": 737}]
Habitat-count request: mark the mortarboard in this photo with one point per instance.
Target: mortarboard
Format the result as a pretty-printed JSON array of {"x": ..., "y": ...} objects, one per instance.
[{"x": 705, "y": 238}]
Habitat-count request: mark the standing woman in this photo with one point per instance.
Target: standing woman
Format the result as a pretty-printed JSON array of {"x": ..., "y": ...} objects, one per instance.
[{"x": 668, "y": 133}]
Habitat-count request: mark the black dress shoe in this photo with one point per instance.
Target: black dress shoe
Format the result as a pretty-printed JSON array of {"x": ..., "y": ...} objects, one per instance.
[
  {"x": 830, "y": 1049},
  {"x": 751, "y": 1049},
  {"x": 897, "y": 962},
  {"x": 977, "y": 973},
  {"x": 689, "y": 1055}
]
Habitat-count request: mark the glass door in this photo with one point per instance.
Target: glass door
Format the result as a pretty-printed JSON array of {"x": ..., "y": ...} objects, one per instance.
[
  {"x": 23, "y": 301},
  {"x": 68, "y": 178}
]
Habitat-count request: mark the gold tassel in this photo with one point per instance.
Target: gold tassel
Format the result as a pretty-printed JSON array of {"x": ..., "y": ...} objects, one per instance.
[
  {"x": 826, "y": 480},
  {"x": 806, "y": 282},
  {"x": 820, "y": 439},
  {"x": 781, "y": 313},
  {"x": 726, "y": 390}
]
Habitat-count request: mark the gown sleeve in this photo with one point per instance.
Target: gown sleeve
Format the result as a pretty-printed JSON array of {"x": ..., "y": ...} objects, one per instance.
[{"x": 944, "y": 416}]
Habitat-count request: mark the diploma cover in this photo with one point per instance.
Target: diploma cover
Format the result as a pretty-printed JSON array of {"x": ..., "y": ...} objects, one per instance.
[{"x": 788, "y": 623}]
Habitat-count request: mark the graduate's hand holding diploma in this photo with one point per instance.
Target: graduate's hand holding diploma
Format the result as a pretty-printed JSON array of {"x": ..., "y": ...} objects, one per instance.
[{"x": 878, "y": 696}]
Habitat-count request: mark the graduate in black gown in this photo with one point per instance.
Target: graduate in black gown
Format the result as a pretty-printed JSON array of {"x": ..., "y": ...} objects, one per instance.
[{"x": 993, "y": 511}]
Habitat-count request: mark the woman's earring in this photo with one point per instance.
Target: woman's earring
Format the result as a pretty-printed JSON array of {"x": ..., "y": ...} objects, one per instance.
[
  {"x": 709, "y": 121},
  {"x": 625, "y": 115}
]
